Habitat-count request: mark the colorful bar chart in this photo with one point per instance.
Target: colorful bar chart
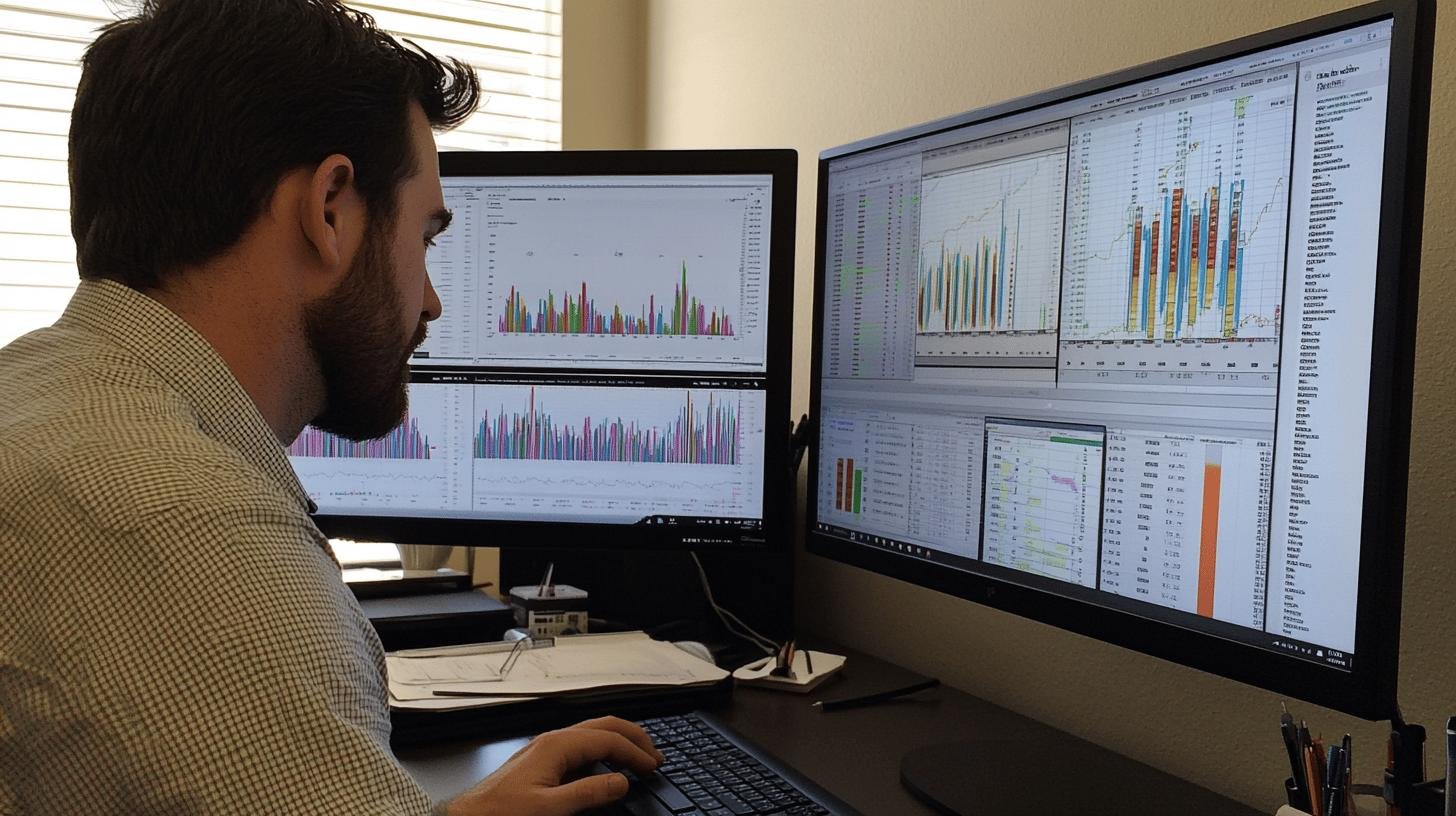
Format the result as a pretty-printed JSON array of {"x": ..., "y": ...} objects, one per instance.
[
  {"x": 404, "y": 442},
  {"x": 581, "y": 315},
  {"x": 1182, "y": 271},
  {"x": 698, "y": 435},
  {"x": 971, "y": 290},
  {"x": 1176, "y": 230},
  {"x": 990, "y": 240}
]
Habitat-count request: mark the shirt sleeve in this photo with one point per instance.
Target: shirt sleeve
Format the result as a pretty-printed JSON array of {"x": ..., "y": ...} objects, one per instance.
[{"x": 222, "y": 667}]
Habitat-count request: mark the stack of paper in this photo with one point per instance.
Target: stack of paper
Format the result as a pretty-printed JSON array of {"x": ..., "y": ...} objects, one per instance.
[{"x": 454, "y": 677}]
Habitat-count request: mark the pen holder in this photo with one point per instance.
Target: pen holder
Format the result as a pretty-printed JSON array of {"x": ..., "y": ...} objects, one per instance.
[
  {"x": 1426, "y": 798},
  {"x": 1420, "y": 799}
]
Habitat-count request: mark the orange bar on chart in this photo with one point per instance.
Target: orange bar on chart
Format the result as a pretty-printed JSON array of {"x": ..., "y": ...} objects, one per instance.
[
  {"x": 1208, "y": 545},
  {"x": 1152, "y": 303},
  {"x": 839, "y": 484}
]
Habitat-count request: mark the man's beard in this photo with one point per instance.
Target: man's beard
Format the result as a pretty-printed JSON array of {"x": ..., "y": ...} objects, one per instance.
[{"x": 354, "y": 335}]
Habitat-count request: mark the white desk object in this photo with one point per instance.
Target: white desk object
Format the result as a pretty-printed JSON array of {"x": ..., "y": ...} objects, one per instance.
[{"x": 759, "y": 672}]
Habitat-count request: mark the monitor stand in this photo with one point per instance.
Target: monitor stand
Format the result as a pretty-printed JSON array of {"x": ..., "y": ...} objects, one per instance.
[{"x": 1039, "y": 775}]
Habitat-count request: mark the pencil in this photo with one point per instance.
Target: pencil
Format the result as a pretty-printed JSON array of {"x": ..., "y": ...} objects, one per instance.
[{"x": 853, "y": 702}]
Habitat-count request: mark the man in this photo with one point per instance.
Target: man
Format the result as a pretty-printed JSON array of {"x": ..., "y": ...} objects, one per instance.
[{"x": 254, "y": 186}]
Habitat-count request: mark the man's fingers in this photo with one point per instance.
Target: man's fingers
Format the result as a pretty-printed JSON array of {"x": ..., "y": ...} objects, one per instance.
[
  {"x": 630, "y": 730},
  {"x": 572, "y": 748},
  {"x": 583, "y": 794}
]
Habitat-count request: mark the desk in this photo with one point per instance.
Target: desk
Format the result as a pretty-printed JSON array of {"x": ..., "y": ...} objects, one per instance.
[{"x": 855, "y": 754}]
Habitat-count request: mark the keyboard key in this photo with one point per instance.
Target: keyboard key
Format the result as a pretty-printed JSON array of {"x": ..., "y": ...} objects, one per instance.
[
  {"x": 641, "y": 803},
  {"x": 736, "y": 805},
  {"x": 667, "y": 793}
]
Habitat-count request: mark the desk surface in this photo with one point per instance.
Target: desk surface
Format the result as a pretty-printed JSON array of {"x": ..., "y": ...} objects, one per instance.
[{"x": 855, "y": 754}]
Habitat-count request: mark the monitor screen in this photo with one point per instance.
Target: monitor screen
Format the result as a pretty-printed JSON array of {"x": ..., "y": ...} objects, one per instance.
[
  {"x": 607, "y": 357},
  {"x": 1120, "y": 356}
]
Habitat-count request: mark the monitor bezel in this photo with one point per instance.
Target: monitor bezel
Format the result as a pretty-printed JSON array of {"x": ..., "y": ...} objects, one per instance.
[
  {"x": 776, "y": 530},
  {"x": 1369, "y": 690}
]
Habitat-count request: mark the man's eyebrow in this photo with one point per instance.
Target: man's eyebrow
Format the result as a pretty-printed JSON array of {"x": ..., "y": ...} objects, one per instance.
[{"x": 441, "y": 216}]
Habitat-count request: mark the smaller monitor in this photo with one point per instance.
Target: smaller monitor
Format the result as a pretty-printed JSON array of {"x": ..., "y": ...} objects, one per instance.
[{"x": 611, "y": 367}]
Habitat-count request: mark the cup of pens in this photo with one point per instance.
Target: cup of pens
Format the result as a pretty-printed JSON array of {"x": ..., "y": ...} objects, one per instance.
[
  {"x": 1320, "y": 778},
  {"x": 1321, "y": 781}
]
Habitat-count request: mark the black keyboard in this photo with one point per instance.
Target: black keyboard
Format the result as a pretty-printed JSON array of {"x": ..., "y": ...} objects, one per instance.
[{"x": 711, "y": 771}]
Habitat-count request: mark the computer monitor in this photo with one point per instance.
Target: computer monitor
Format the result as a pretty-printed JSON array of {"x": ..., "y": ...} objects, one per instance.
[
  {"x": 1133, "y": 356},
  {"x": 611, "y": 367}
]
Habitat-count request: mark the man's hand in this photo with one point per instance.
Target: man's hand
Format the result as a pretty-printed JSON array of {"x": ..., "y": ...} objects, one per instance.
[{"x": 530, "y": 783}]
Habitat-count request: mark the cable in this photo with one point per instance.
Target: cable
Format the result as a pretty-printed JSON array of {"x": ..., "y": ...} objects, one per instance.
[
  {"x": 728, "y": 618},
  {"x": 725, "y": 616}
]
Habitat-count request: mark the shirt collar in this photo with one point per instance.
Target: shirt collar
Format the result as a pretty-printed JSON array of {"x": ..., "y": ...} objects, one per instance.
[{"x": 187, "y": 362}]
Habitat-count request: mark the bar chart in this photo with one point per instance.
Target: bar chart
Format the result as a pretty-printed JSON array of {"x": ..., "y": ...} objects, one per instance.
[
  {"x": 1176, "y": 215},
  {"x": 986, "y": 264},
  {"x": 404, "y": 442},
  {"x": 681, "y": 315},
  {"x": 419, "y": 462},
  {"x": 616, "y": 454},
  {"x": 581, "y": 274},
  {"x": 701, "y": 432},
  {"x": 848, "y": 486}
]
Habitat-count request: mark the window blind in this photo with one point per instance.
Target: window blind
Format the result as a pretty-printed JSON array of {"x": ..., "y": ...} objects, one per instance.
[{"x": 514, "y": 45}]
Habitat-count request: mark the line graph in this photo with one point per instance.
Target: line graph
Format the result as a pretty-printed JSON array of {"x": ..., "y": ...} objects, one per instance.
[
  {"x": 1176, "y": 215},
  {"x": 1043, "y": 499}
]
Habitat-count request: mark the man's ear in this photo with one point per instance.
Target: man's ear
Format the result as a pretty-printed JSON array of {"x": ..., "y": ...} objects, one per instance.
[{"x": 333, "y": 214}]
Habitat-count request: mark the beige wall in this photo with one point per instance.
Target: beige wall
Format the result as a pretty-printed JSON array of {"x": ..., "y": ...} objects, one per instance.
[
  {"x": 813, "y": 75},
  {"x": 602, "y": 79}
]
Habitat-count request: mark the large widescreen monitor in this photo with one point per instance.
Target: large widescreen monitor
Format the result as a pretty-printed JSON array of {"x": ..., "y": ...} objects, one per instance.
[
  {"x": 611, "y": 367},
  {"x": 1133, "y": 356}
]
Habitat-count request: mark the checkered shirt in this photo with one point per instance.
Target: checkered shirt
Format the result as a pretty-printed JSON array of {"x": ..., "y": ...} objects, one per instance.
[{"x": 174, "y": 634}]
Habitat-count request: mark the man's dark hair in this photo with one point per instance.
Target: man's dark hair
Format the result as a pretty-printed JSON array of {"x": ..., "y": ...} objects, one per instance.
[{"x": 188, "y": 115}]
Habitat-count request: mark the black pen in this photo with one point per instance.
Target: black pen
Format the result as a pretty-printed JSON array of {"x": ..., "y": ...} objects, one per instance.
[
  {"x": 1296, "y": 761},
  {"x": 1451, "y": 766},
  {"x": 854, "y": 702}
]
